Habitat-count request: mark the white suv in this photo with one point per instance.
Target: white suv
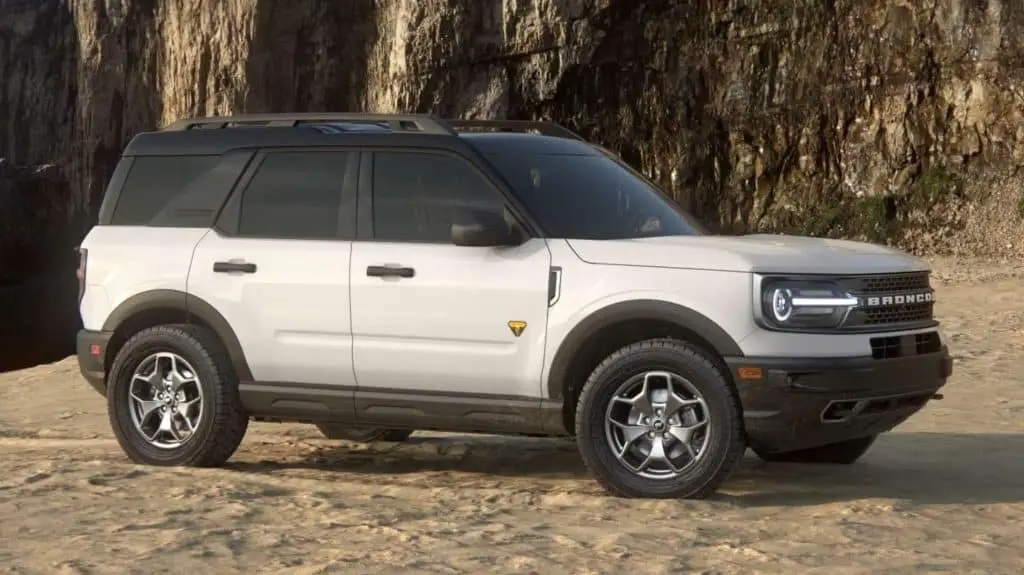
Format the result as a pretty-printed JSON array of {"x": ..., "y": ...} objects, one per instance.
[{"x": 377, "y": 274}]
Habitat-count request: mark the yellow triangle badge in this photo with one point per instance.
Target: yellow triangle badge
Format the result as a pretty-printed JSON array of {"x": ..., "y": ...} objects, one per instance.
[{"x": 517, "y": 327}]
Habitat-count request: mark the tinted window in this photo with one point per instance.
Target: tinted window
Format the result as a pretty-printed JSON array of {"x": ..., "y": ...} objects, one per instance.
[
  {"x": 415, "y": 195},
  {"x": 591, "y": 196},
  {"x": 153, "y": 182},
  {"x": 294, "y": 195}
]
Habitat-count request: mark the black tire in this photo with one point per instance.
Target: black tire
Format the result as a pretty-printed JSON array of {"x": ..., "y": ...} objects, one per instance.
[
  {"x": 364, "y": 434},
  {"x": 725, "y": 443},
  {"x": 842, "y": 453},
  {"x": 223, "y": 421}
]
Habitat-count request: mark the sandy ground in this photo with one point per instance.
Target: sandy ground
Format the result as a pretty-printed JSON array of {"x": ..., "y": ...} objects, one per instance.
[{"x": 943, "y": 493}]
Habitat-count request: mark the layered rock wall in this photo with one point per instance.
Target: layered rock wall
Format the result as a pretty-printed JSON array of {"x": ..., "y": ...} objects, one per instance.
[{"x": 889, "y": 120}]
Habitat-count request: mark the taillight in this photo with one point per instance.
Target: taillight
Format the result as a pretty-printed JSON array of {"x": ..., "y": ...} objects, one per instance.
[{"x": 83, "y": 257}]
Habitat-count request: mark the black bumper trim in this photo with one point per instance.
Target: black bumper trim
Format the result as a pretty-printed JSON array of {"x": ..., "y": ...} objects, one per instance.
[
  {"x": 91, "y": 348},
  {"x": 804, "y": 402}
]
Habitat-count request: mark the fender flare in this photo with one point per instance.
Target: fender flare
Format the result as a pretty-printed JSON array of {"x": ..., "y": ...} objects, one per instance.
[
  {"x": 190, "y": 306},
  {"x": 647, "y": 309}
]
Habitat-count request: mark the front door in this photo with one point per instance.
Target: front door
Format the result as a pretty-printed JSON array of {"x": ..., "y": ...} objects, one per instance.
[{"x": 429, "y": 318}]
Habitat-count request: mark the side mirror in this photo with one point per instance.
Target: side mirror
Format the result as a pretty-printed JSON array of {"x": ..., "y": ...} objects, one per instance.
[{"x": 483, "y": 228}]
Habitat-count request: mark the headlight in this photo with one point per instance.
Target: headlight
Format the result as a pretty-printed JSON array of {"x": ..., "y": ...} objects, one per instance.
[{"x": 797, "y": 304}]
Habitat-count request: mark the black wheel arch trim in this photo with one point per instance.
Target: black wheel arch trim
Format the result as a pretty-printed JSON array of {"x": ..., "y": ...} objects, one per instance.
[
  {"x": 189, "y": 305},
  {"x": 722, "y": 343}
]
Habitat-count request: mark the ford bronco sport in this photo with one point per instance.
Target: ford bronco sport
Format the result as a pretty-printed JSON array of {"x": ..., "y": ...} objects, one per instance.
[{"x": 379, "y": 274}]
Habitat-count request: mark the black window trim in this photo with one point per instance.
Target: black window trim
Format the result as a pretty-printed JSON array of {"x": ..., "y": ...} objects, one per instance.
[
  {"x": 228, "y": 219},
  {"x": 364, "y": 205}
]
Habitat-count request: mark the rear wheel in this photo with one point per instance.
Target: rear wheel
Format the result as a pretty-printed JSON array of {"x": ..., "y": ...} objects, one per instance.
[
  {"x": 659, "y": 419},
  {"x": 842, "y": 453},
  {"x": 363, "y": 434},
  {"x": 172, "y": 398}
]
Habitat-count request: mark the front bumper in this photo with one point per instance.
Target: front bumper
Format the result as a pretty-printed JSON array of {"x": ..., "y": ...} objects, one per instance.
[
  {"x": 91, "y": 349},
  {"x": 791, "y": 404}
]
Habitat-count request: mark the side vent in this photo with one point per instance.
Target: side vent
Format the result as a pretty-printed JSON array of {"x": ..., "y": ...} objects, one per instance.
[{"x": 554, "y": 285}]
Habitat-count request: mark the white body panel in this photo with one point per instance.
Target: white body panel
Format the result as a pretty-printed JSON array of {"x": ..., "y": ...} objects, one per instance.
[
  {"x": 753, "y": 253},
  {"x": 291, "y": 316},
  {"x": 587, "y": 288},
  {"x": 129, "y": 260},
  {"x": 446, "y": 329}
]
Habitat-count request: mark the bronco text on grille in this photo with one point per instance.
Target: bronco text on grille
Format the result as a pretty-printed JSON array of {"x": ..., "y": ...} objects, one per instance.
[{"x": 890, "y": 301}]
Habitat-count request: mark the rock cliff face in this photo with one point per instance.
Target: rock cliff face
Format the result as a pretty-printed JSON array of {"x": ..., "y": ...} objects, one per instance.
[{"x": 889, "y": 120}]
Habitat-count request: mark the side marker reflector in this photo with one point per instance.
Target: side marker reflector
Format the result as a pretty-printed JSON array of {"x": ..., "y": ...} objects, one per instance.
[{"x": 750, "y": 373}]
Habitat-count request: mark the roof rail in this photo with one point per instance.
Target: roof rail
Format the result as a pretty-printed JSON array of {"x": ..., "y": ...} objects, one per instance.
[
  {"x": 545, "y": 128},
  {"x": 423, "y": 123}
]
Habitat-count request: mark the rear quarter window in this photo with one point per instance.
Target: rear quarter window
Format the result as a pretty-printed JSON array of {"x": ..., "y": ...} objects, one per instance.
[{"x": 154, "y": 183}]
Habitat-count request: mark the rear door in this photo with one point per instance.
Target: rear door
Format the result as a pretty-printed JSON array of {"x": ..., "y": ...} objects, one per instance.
[{"x": 276, "y": 266}]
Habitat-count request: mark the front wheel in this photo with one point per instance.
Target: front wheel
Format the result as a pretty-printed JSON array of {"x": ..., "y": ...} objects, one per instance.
[
  {"x": 659, "y": 419},
  {"x": 842, "y": 453},
  {"x": 363, "y": 434}
]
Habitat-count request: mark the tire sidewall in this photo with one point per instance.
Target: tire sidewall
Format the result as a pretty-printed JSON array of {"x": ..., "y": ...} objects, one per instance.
[
  {"x": 128, "y": 359},
  {"x": 720, "y": 450}
]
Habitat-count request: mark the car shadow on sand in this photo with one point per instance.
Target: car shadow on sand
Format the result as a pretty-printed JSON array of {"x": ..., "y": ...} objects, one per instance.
[{"x": 925, "y": 468}]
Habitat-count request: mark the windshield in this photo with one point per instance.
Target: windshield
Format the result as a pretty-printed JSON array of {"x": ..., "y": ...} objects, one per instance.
[{"x": 591, "y": 197}]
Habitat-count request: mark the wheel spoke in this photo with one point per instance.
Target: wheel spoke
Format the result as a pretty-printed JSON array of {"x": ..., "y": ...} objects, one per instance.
[
  {"x": 641, "y": 400},
  {"x": 146, "y": 406},
  {"x": 658, "y": 455},
  {"x": 631, "y": 434},
  {"x": 185, "y": 407},
  {"x": 167, "y": 425},
  {"x": 674, "y": 404},
  {"x": 178, "y": 377}
]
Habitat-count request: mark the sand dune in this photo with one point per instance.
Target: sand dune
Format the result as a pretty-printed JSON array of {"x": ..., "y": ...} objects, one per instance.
[{"x": 944, "y": 493}]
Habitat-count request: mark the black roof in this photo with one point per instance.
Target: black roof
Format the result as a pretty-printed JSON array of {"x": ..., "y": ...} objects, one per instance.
[
  {"x": 501, "y": 142},
  {"x": 214, "y": 136}
]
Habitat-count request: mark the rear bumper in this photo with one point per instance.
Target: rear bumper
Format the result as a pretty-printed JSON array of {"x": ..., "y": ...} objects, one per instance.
[
  {"x": 91, "y": 349},
  {"x": 799, "y": 403}
]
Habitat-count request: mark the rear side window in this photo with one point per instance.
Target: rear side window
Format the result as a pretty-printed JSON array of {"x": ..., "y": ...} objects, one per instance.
[
  {"x": 154, "y": 182},
  {"x": 294, "y": 195}
]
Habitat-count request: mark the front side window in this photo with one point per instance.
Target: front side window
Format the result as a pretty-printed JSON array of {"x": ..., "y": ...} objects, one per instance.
[
  {"x": 295, "y": 195},
  {"x": 416, "y": 195},
  {"x": 591, "y": 196}
]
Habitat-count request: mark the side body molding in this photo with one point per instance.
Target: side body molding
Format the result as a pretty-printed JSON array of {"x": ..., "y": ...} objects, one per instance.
[
  {"x": 721, "y": 342},
  {"x": 177, "y": 302}
]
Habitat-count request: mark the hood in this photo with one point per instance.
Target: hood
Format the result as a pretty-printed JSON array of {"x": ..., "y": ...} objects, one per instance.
[{"x": 764, "y": 253}]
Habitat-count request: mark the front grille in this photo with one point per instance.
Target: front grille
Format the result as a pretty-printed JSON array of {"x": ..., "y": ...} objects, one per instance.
[
  {"x": 887, "y": 283},
  {"x": 888, "y": 315}
]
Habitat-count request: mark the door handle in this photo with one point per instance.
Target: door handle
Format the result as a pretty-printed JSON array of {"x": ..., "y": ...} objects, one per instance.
[
  {"x": 228, "y": 267},
  {"x": 389, "y": 271}
]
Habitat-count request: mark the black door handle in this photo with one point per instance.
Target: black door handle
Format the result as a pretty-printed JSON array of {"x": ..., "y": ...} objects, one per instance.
[
  {"x": 389, "y": 271},
  {"x": 227, "y": 267}
]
